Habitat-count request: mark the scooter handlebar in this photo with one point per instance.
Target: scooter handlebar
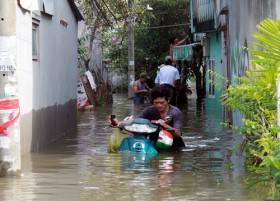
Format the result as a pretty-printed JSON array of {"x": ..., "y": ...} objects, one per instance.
[{"x": 154, "y": 121}]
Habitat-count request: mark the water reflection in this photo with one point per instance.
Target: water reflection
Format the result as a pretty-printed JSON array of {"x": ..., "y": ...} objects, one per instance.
[{"x": 80, "y": 168}]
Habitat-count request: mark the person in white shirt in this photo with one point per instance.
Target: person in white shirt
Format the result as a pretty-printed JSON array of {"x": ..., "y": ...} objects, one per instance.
[
  {"x": 169, "y": 76},
  {"x": 157, "y": 77}
]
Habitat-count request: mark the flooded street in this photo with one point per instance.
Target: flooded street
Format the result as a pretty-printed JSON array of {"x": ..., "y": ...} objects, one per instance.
[{"x": 80, "y": 168}]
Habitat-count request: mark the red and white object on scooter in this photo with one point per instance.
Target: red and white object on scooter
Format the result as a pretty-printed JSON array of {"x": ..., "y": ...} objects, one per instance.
[{"x": 165, "y": 140}]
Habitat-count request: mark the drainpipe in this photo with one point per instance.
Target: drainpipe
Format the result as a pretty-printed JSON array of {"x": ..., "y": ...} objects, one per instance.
[
  {"x": 9, "y": 109},
  {"x": 225, "y": 28}
]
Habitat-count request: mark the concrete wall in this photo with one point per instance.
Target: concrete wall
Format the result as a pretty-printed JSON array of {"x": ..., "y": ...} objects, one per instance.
[
  {"x": 46, "y": 86},
  {"x": 55, "y": 77}
]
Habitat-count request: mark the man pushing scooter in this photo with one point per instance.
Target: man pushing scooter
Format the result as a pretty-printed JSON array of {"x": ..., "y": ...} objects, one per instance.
[{"x": 167, "y": 116}]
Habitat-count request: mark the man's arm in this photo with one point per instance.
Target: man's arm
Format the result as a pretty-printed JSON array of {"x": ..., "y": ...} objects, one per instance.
[
  {"x": 177, "y": 120},
  {"x": 116, "y": 123},
  {"x": 147, "y": 87},
  {"x": 135, "y": 88},
  {"x": 181, "y": 42},
  {"x": 175, "y": 131}
]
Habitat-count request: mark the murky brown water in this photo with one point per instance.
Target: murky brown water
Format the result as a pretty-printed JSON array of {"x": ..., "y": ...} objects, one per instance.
[{"x": 81, "y": 169}]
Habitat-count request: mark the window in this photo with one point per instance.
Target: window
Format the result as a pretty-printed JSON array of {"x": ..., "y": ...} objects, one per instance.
[
  {"x": 211, "y": 78},
  {"x": 35, "y": 43},
  {"x": 48, "y": 7}
]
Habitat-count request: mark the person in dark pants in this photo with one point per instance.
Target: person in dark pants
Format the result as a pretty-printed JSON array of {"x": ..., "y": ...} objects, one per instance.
[
  {"x": 170, "y": 77},
  {"x": 168, "y": 116},
  {"x": 141, "y": 89}
]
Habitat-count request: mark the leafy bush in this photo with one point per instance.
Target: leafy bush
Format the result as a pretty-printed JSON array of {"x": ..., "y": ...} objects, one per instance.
[{"x": 256, "y": 98}]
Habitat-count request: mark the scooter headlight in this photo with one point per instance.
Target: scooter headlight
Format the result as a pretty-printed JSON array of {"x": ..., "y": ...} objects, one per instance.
[{"x": 140, "y": 128}]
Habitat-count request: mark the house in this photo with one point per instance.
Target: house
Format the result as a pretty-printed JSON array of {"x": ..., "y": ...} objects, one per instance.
[
  {"x": 227, "y": 27},
  {"x": 38, "y": 53}
]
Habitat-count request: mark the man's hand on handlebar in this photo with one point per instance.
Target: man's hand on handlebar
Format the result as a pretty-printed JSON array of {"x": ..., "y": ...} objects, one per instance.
[{"x": 114, "y": 122}]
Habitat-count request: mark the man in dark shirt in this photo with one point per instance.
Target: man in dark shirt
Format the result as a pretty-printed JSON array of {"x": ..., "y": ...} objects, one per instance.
[
  {"x": 168, "y": 117},
  {"x": 141, "y": 89}
]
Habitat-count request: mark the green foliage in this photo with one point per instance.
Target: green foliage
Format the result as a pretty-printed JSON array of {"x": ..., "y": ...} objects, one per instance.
[
  {"x": 228, "y": 166},
  {"x": 152, "y": 29},
  {"x": 116, "y": 53},
  {"x": 109, "y": 13},
  {"x": 112, "y": 17},
  {"x": 256, "y": 98},
  {"x": 83, "y": 53},
  {"x": 168, "y": 19},
  {"x": 269, "y": 36}
]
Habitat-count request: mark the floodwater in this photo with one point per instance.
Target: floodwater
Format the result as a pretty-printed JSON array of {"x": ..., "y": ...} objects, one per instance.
[{"x": 80, "y": 168}]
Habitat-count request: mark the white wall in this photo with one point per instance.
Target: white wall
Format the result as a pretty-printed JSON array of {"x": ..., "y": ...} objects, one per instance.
[
  {"x": 47, "y": 86},
  {"x": 24, "y": 73},
  {"x": 57, "y": 72}
]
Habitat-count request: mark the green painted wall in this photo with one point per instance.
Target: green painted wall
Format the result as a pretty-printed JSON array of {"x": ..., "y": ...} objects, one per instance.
[{"x": 213, "y": 101}]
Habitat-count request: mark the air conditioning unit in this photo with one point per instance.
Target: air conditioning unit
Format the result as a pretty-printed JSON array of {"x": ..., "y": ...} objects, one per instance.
[{"x": 198, "y": 37}]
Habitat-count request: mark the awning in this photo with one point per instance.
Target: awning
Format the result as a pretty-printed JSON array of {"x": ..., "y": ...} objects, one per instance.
[{"x": 184, "y": 51}]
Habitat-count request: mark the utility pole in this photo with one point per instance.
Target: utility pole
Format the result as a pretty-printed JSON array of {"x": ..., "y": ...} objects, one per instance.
[{"x": 131, "y": 62}]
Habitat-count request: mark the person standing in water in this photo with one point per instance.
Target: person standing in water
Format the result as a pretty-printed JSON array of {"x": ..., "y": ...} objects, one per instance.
[
  {"x": 170, "y": 77},
  {"x": 141, "y": 89}
]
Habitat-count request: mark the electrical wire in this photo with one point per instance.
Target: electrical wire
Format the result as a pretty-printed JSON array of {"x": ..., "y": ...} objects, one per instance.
[{"x": 159, "y": 27}]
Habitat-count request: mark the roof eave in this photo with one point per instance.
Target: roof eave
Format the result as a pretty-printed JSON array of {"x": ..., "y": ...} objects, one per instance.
[{"x": 76, "y": 11}]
